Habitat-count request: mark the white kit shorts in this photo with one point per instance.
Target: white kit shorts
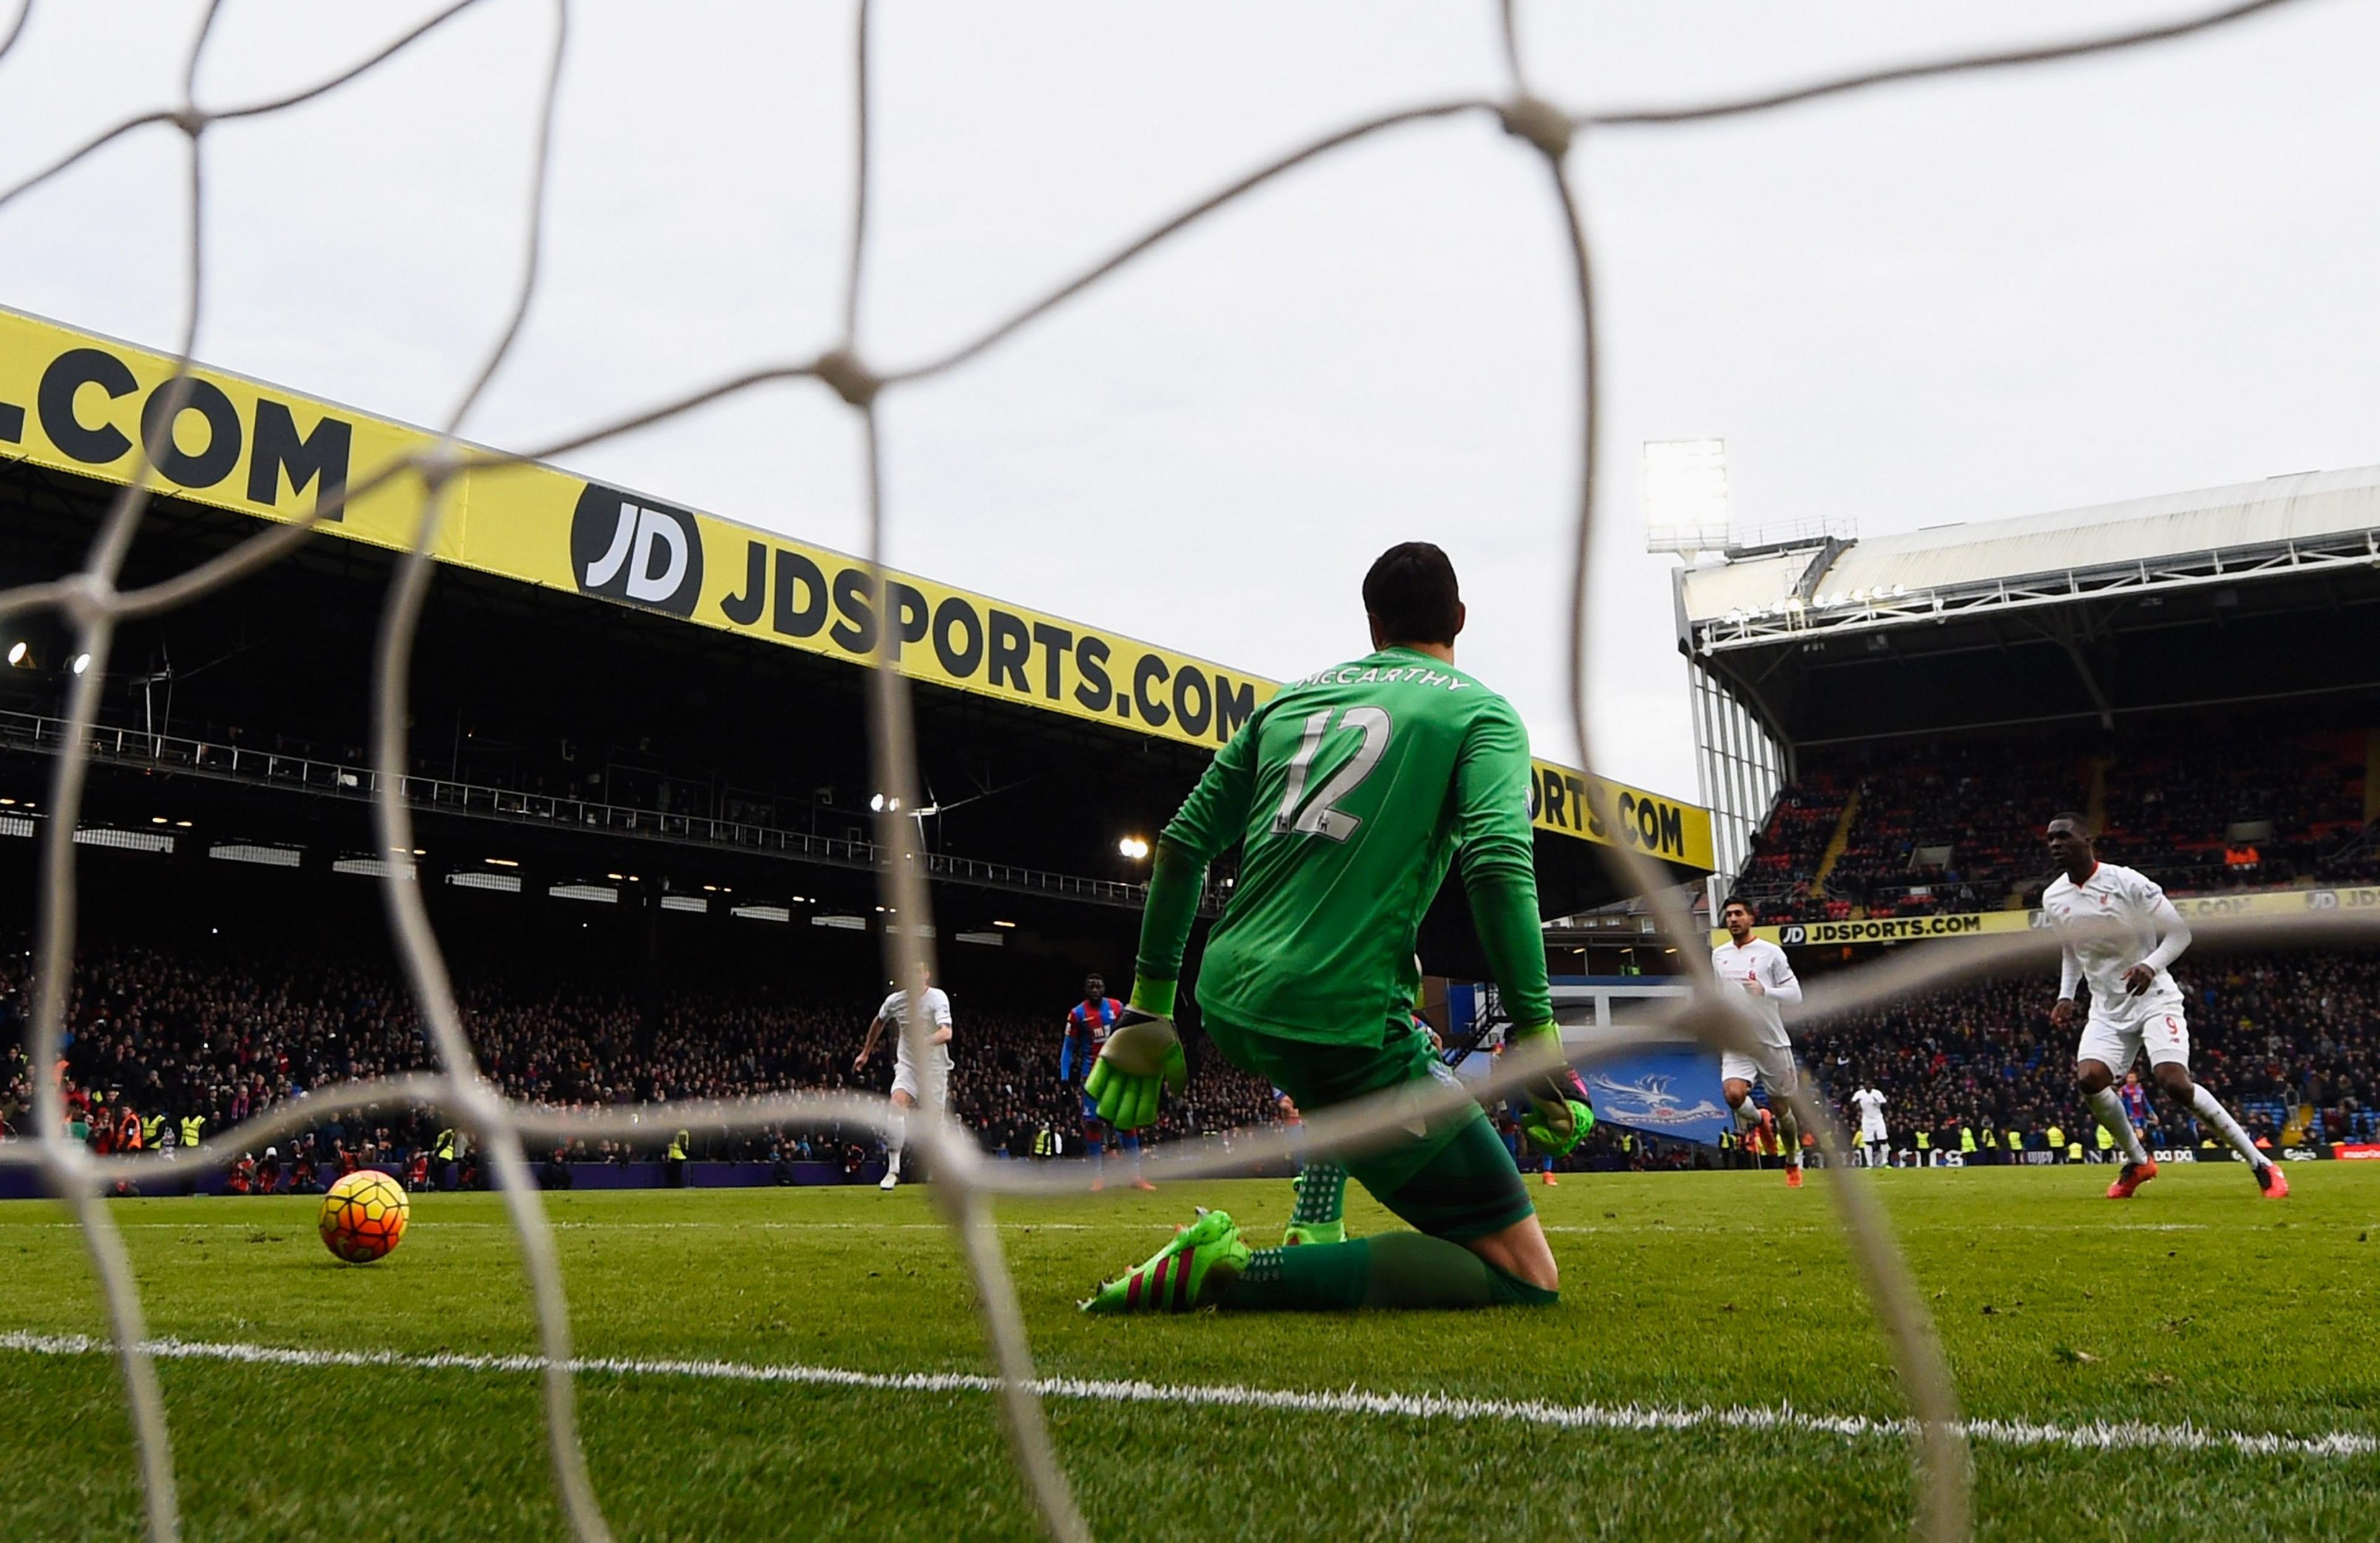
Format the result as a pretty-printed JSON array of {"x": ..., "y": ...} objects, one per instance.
[
  {"x": 2115, "y": 1043},
  {"x": 1771, "y": 1066}
]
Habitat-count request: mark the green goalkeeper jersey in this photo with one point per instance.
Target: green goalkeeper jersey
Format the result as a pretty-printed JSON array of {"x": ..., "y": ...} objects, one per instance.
[{"x": 1352, "y": 791}]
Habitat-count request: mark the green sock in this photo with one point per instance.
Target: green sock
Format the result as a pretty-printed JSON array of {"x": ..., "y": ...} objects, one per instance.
[
  {"x": 1393, "y": 1270},
  {"x": 1321, "y": 1194}
]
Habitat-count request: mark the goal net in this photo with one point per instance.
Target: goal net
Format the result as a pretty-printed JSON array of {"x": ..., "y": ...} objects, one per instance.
[{"x": 92, "y": 604}]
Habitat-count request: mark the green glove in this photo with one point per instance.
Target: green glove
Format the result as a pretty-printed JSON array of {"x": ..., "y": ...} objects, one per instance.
[
  {"x": 1559, "y": 1113},
  {"x": 1143, "y": 1057}
]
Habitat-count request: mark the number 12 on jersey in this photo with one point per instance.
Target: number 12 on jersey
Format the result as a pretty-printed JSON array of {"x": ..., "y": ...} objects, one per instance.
[{"x": 1320, "y": 816}]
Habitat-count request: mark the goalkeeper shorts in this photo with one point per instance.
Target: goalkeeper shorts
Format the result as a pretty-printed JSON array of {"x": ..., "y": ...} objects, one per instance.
[{"x": 1449, "y": 1176}]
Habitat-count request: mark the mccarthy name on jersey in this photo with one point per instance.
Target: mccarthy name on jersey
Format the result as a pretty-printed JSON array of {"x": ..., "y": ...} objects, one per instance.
[{"x": 1350, "y": 674}]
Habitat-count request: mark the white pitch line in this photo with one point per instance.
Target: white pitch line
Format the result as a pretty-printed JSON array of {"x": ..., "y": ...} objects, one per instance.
[
  {"x": 1634, "y": 1229},
  {"x": 1770, "y": 1228},
  {"x": 297, "y": 1227},
  {"x": 2098, "y": 1436}
]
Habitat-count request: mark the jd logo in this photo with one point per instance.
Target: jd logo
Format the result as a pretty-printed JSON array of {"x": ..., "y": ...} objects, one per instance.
[
  {"x": 2322, "y": 900},
  {"x": 1792, "y": 935},
  {"x": 622, "y": 548}
]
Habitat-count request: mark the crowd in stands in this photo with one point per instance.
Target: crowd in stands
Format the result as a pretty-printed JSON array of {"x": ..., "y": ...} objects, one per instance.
[
  {"x": 2271, "y": 1034},
  {"x": 1956, "y": 826},
  {"x": 2243, "y": 812},
  {"x": 164, "y": 1049},
  {"x": 156, "y": 1041}
]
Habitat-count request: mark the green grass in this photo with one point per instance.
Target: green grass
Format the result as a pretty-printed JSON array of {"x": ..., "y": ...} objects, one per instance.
[{"x": 2198, "y": 1303}]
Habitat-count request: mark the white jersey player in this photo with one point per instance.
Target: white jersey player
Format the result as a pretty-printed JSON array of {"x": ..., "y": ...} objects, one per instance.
[
  {"x": 921, "y": 1075},
  {"x": 1760, "y": 969},
  {"x": 1875, "y": 1142},
  {"x": 2120, "y": 935}
]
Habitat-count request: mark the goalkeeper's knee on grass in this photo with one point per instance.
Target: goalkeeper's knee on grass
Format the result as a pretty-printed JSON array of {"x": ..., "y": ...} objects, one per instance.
[
  {"x": 1392, "y": 1271},
  {"x": 1206, "y": 1265}
]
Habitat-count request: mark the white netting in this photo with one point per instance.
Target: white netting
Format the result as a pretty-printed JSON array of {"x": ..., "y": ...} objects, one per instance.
[{"x": 93, "y": 605}]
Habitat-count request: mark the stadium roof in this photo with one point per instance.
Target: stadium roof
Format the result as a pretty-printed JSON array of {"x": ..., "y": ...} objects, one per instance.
[
  {"x": 2235, "y": 533},
  {"x": 2252, "y": 591},
  {"x": 73, "y": 402},
  {"x": 576, "y": 725}
]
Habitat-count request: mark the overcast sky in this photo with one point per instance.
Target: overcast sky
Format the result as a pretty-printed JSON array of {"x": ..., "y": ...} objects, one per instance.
[{"x": 1924, "y": 304}]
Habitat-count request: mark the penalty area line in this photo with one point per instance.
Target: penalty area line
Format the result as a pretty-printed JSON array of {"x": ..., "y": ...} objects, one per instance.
[
  {"x": 563, "y": 1225},
  {"x": 2097, "y": 1436}
]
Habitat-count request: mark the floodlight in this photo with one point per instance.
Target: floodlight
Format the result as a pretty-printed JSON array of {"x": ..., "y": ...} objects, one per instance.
[{"x": 1686, "y": 497}]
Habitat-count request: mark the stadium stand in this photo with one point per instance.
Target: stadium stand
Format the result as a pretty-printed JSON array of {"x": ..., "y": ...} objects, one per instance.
[
  {"x": 218, "y": 988},
  {"x": 573, "y": 720},
  {"x": 2283, "y": 1035},
  {"x": 2293, "y": 1038},
  {"x": 1884, "y": 725},
  {"x": 2203, "y": 805},
  {"x": 161, "y": 1033},
  {"x": 664, "y": 799}
]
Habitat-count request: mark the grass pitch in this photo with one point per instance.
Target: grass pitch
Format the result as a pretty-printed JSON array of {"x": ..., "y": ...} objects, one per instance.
[{"x": 2198, "y": 1305}]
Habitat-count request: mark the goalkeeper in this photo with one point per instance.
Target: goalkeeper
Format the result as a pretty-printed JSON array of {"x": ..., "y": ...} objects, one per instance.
[{"x": 1351, "y": 792}]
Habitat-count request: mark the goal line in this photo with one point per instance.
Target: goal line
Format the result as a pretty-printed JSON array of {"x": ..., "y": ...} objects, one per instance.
[{"x": 1767, "y": 1419}]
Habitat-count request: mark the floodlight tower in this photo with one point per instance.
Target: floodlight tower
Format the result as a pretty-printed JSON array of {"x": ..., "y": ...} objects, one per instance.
[
  {"x": 1686, "y": 497},
  {"x": 1739, "y": 766}
]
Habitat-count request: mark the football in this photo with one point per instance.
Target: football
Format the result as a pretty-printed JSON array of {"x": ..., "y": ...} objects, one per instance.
[{"x": 363, "y": 1216}]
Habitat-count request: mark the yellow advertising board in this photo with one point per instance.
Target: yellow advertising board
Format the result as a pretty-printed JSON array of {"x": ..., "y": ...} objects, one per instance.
[
  {"x": 1974, "y": 924},
  {"x": 78, "y": 402},
  {"x": 1885, "y": 929}
]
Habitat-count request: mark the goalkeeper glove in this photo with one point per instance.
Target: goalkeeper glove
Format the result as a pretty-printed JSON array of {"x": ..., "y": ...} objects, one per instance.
[
  {"x": 1560, "y": 1115},
  {"x": 1143, "y": 1056}
]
